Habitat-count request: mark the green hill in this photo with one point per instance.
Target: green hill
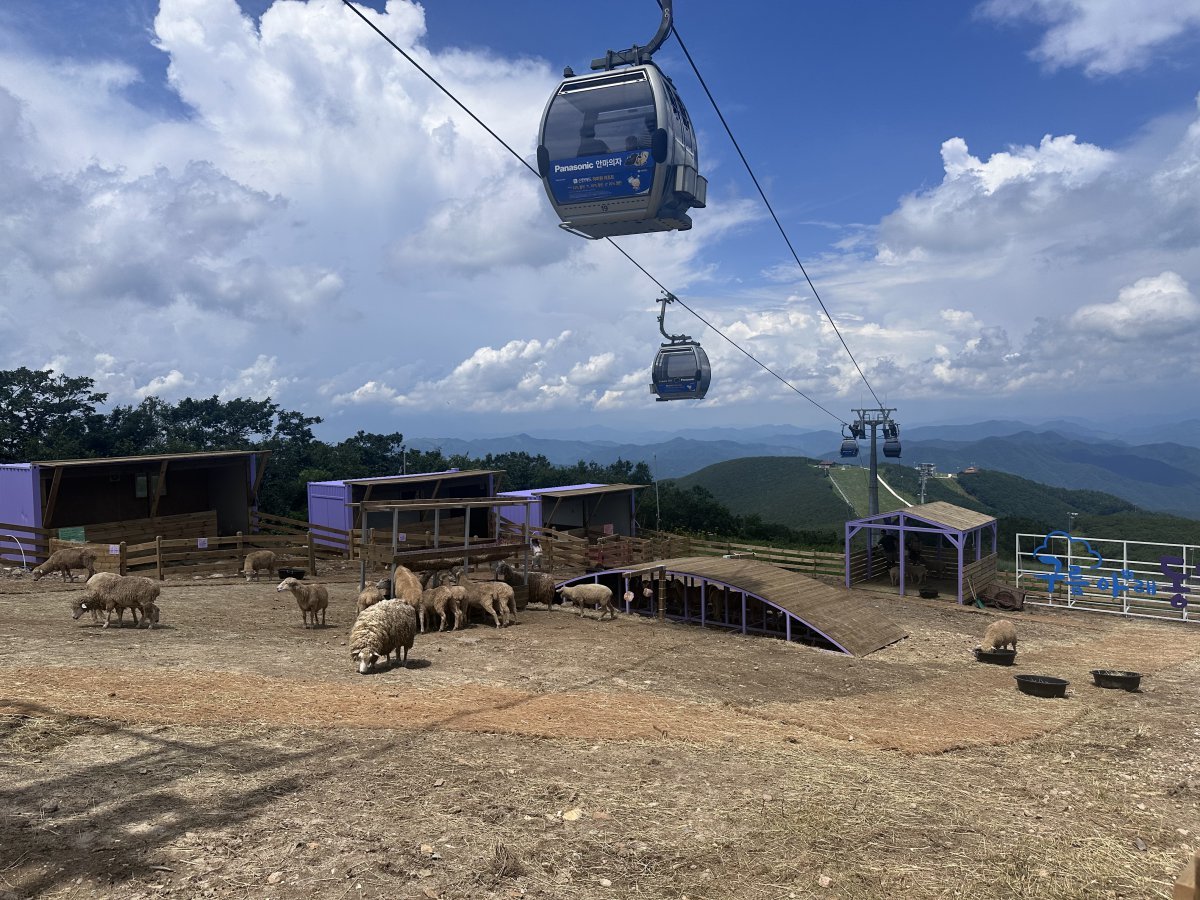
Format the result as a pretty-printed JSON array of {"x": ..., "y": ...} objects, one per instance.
[
  {"x": 798, "y": 493},
  {"x": 788, "y": 490}
]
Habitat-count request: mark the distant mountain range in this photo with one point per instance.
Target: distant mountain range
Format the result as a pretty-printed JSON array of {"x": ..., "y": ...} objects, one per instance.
[{"x": 1162, "y": 474}]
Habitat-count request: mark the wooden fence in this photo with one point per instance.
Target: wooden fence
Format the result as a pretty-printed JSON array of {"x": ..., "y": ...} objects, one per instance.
[{"x": 24, "y": 545}]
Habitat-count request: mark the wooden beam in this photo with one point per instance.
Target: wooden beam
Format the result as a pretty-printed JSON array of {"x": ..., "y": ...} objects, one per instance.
[
  {"x": 48, "y": 510},
  {"x": 258, "y": 475},
  {"x": 359, "y": 518},
  {"x": 158, "y": 488}
]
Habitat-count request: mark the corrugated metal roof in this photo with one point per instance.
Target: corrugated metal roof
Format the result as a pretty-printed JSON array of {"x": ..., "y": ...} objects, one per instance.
[
  {"x": 156, "y": 457},
  {"x": 423, "y": 476},
  {"x": 562, "y": 493},
  {"x": 839, "y": 614}
]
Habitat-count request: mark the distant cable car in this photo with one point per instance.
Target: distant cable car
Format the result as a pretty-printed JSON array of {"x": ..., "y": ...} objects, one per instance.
[
  {"x": 891, "y": 439},
  {"x": 681, "y": 370},
  {"x": 617, "y": 150},
  {"x": 849, "y": 444}
]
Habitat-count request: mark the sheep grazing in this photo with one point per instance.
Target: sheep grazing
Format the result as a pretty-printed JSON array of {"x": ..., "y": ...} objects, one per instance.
[
  {"x": 372, "y": 594},
  {"x": 589, "y": 595},
  {"x": 381, "y": 630},
  {"x": 1001, "y": 633},
  {"x": 311, "y": 598},
  {"x": 256, "y": 561},
  {"x": 65, "y": 560},
  {"x": 118, "y": 592},
  {"x": 444, "y": 600},
  {"x": 150, "y": 614}
]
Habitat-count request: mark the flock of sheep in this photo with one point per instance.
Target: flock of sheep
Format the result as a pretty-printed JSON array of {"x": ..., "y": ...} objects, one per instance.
[{"x": 385, "y": 627}]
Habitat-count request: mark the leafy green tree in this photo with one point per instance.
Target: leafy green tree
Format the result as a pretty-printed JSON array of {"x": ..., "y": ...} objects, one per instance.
[{"x": 46, "y": 416}]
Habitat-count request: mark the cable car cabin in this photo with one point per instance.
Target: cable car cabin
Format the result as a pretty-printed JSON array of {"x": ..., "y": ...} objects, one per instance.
[
  {"x": 617, "y": 154},
  {"x": 849, "y": 447},
  {"x": 681, "y": 372},
  {"x": 891, "y": 440}
]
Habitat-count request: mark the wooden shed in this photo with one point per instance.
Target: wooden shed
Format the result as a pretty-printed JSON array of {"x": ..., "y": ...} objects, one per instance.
[{"x": 133, "y": 498}]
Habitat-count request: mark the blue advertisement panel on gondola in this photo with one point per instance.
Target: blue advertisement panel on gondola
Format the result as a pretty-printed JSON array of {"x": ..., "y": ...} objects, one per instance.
[{"x": 609, "y": 176}]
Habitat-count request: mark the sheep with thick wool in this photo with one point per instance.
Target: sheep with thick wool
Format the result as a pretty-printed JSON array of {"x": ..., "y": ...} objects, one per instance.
[
  {"x": 311, "y": 598},
  {"x": 66, "y": 559},
  {"x": 582, "y": 595},
  {"x": 256, "y": 561},
  {"x": 118, "y": 593},
  {"x": 1001, "y": 633},
  {"x": 386, "y": 628}
]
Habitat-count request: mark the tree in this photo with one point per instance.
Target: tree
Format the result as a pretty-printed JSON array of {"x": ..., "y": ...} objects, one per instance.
[{"x": 46, "y": 416}]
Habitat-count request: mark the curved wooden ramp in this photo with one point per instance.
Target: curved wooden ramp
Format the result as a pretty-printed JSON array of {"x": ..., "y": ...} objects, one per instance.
[{"x": 758, "y": 598}]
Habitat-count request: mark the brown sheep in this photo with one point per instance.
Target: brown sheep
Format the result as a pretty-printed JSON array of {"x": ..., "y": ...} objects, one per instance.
[{"x": 1001, "y": 633}]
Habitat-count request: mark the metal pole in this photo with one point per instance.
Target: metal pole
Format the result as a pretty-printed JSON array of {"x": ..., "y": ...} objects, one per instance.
[
  {"x": 873, "y": 484},
  {"x": 657, "y": 509}
]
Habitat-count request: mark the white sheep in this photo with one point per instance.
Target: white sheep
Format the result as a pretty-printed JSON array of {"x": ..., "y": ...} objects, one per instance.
[
  {"x": 589, "y": 595},
  {"x": 1001, "y": 633},
  {"x": 256, "y": 560},
  {"x": 311, "y": 598},
  {"x": 66, "y": 559},
  {"x": 118, "y": 592},
  {"x": 381, "y": 630}
]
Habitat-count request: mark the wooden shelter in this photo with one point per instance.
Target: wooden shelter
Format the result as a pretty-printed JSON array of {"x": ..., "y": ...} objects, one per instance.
[
  {"x": 585, "y": 510},
  {"x": 754, "y": 597},
  {"x": 125, "y": 498},
  {"x": 961, "y": 531}
]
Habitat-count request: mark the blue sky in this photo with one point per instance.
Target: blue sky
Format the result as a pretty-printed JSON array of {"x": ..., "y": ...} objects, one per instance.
[{"x": 998, "y": 201}]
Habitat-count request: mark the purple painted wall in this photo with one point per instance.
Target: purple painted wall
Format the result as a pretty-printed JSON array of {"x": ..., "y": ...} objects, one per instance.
[
  {"x": 19, "y": 495},
  {"x": 327, "y": 504},
  {"x": 20, "y": 504}
]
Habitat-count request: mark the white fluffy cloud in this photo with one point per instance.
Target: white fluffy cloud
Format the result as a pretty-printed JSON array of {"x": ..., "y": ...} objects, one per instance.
[
  {"x": 324, "y": 228},
  {"x": 1103, "y": 36}
]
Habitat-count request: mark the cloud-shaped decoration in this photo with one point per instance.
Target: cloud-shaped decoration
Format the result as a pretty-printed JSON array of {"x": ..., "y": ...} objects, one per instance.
[{"x": 1054, "y": 560}]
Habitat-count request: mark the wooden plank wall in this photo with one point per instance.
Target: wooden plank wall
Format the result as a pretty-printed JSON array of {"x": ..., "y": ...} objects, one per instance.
[{"x": 23, "y": 543}]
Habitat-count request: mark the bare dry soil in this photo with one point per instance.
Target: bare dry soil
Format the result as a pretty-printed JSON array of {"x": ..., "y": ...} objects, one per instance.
[{"x": 234, "y": 753}]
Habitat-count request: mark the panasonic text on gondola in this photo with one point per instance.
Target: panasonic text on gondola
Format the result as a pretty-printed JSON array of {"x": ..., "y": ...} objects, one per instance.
[{"x": 575, "y": 168}]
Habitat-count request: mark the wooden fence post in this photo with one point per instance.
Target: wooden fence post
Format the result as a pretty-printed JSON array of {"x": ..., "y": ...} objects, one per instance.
[
  {"x": 158, "y": 560},
  {"x": 312, "y": 555},
  {"x": 121, "y": 564}
]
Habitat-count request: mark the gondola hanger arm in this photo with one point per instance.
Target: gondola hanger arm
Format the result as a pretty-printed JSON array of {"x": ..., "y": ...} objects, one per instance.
[
  {"x": 636, "y": 55},
  {"x": 668, "y": 297}
]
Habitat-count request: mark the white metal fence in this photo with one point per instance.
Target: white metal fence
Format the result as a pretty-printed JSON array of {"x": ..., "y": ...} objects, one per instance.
[{"x": 1130, "y": 578}]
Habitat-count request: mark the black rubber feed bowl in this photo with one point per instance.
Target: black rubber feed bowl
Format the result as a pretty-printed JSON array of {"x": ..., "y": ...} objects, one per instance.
[
  {"x": 1125, "y": 681},
  {"x": 1042, "y": 685},
  {"x": 999, "y": 657},
  {"x": 288, "y": 572},
  {"x": 928, "y": 594}
]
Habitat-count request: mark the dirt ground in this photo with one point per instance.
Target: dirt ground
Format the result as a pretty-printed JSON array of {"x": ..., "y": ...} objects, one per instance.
[{"x": 234, "y": 753}]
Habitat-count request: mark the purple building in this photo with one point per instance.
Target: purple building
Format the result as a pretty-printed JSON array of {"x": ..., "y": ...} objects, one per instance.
[
  {"x": 70, "y": 496},
  {"x": 593, "y": 510},
  {"x": 329, "y": 502}
]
